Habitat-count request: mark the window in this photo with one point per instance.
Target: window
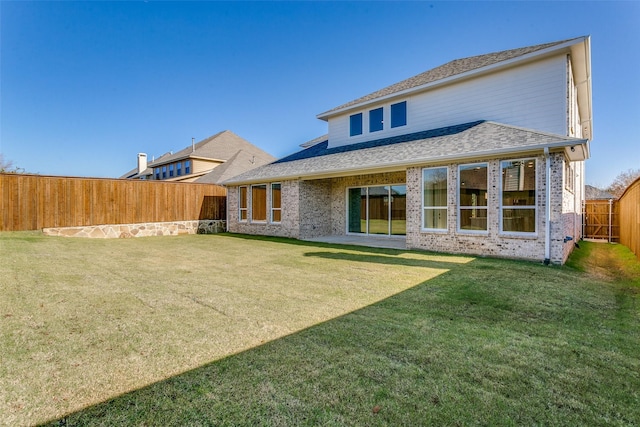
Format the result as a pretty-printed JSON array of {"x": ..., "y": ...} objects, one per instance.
[
  {"x": 399, "y": 114},
  {"x": 518, "y": 207},
  {"x": 472, "y": 197},
  {"x": 259, "y": 202},
  {"x": 276, "y": 207},
  {"x": 187, "y": 167},
  {"x": 157, "y": 171},
  {"x": 242, "y": 203},
  {"x": 164, "y": 172},
  {"x": 434, "y": 198},
  {"x": 569, "y": 175},
  {"x": 355, "y": 124},
  {"x": 376, "y": 120},
  {"x": 171, "y": 170},
  {"x": 179, "y": 169}
]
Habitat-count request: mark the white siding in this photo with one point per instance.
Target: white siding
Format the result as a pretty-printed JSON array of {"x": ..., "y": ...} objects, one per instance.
[{"x": 532, "y": 96}]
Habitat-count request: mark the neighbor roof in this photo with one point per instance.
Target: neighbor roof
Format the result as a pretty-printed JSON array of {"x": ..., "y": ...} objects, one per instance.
[
  {"x": 239, "y": 163},
  {"x": 453, "y": 143},
  {"x": 452, "y": 68},
  {"x": 222, "y": 146}
]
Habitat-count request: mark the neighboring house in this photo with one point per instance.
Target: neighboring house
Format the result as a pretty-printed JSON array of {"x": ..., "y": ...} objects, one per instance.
[
  {"x": 482, "y": 155},
  {"x": 212, "y": 160}
]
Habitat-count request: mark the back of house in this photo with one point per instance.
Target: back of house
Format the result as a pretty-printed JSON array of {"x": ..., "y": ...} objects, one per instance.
[{"x": 482, "y": 155}]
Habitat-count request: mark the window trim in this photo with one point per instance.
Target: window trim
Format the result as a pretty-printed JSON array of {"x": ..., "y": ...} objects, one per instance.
[
  {"x": 275, "y": 209},
  {"x": 534, "y": 206},
  {"x": 460, "y": 208},
  {"x": 446, "y": 207}
]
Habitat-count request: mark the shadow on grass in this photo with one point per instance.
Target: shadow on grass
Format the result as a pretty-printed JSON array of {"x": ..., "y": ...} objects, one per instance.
[
  {"x": 379, "y": 259},
  {"x": 292, "y": 241}
]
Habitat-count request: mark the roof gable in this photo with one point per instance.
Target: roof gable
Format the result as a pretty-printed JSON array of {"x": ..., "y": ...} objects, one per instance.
[
  {"x": 221, "y": 146},
  {"x": 450, "y": 69}
]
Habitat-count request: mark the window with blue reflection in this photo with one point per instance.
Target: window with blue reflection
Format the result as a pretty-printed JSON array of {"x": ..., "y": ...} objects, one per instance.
[
  {"x": 399, "y": 114},
  {"x": 355, "y": 124},
  {"x": 375, "y": 120}
]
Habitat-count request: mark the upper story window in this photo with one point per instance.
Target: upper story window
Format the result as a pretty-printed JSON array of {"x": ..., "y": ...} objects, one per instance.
[
  {"x": 170, "y": 170},
  {"x": 518, "y": 203},
  {"x": 472, "y": 197},
  {"x": 164, "y": 172},
  {"x": 179, "y": 169},
  {"x": 399, "y": 114},
  {"x": 355, "y": 124},
  {"x": 157, "y": 171},
  {"x": 187, "y": 167},
  {"x": 376, "y": 120}
]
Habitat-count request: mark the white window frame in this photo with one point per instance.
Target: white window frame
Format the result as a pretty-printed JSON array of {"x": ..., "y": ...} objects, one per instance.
[
  {"x": 534, "y": 206},
  {"x": 271, "y": 199},
  {"x": 246, "y": 208},
  {"x": 422, "y": 227},
  {"x": 460, "y": 208}
]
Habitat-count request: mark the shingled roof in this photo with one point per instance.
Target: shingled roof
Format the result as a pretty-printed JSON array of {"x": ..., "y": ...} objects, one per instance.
[
  {"x": 221, "y": 146},
  {"x": 452, "y": 68},
  {"x": 452, "y": 143}
]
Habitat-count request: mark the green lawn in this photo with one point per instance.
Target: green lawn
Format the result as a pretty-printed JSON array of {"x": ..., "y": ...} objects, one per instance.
[{"x": 232, "y": 330}]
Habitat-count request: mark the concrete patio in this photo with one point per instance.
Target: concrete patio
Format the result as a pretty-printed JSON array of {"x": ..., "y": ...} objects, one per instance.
[{"x": 391, "y": 242}]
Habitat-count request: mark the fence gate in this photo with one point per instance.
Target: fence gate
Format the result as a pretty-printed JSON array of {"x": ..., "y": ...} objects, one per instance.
[{"x": 601, "y": 220}]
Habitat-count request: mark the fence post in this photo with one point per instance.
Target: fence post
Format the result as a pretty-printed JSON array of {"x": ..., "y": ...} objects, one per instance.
[{"x": 610, "y": 206}]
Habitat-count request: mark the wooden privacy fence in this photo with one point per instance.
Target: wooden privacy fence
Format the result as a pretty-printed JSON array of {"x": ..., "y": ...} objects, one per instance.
[
  {"x": 33, "y": 202},
  {"x": 601, "y": 220},
  {"x": 629, "y": 204}
]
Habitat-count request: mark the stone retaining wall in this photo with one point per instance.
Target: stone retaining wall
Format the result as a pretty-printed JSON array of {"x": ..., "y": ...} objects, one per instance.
[{"x": 114, "y": 231}]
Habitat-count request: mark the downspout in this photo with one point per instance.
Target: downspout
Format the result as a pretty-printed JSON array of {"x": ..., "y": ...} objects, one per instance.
[
  {"x": 547, "y": 208},
  {"x": 226, "y": 208}
]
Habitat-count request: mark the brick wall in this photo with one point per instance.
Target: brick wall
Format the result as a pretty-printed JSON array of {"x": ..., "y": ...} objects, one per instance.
[{"x": 493, "y": 242}]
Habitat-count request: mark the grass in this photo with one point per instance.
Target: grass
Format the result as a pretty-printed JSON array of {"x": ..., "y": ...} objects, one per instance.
[{"x": 261, "y": 331}]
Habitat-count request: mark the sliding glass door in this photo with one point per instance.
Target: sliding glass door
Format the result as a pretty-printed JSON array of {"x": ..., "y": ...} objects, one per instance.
[{"x": 377, "y": 210}]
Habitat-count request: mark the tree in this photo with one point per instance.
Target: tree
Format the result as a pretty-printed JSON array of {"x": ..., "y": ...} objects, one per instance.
[
  {"x": 622, "y": 181},
  {"x": 5, "y": 166}
]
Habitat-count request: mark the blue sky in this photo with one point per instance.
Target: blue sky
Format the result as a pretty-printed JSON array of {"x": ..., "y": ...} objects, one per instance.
[{"x": 85, "y": 86}]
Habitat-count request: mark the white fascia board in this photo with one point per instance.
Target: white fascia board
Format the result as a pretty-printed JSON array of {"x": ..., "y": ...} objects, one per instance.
[
  {"x": 457, "y": 77},
  {"x": 581, "y": 61}
]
